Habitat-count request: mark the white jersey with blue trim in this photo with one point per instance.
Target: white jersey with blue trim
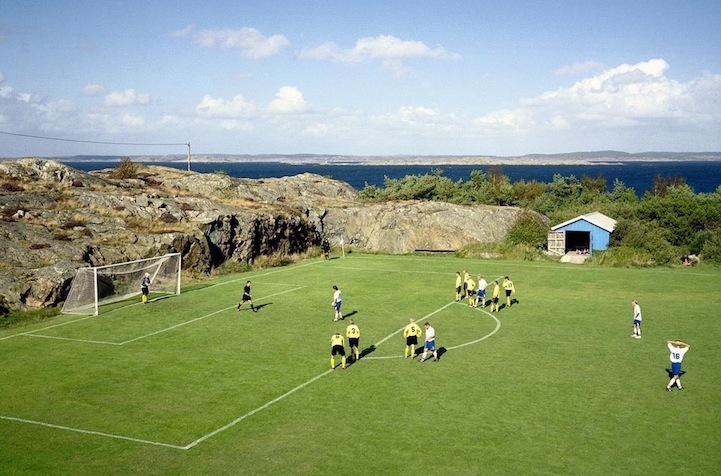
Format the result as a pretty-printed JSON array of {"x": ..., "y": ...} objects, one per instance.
[{"x": 677, "y": 353}]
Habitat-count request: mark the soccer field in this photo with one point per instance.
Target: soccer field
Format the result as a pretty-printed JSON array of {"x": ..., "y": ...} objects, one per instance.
[{"x": 552, "y": 385}]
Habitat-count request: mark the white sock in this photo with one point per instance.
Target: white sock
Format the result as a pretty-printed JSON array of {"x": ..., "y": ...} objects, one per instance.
[{"x": 678, "y": 383}]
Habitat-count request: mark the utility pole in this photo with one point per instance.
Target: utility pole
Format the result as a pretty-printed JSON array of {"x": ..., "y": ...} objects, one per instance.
[{"x": 188, "y": 144}]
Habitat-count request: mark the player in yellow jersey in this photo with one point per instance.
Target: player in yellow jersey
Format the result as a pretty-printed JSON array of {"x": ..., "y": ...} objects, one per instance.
[
  {"x": 466, "y": 277},
  {"x": 337, "y": 347},
  {"x": 494, "y": 297},
  {"x": 510, "y": 289},
  {"x": 459, "y": 284},
  {"x": 352, "y": 332},
  {"x": 470, "y": 290},
  {"x": 412, "y": 332}
]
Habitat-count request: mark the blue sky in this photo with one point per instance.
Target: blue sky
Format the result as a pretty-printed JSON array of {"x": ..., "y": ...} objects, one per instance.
[{"x": 359, "y": 77}]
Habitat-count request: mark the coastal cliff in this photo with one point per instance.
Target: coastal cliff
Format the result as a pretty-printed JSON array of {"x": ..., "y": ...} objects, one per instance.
[{"x": 54, "y": 219}]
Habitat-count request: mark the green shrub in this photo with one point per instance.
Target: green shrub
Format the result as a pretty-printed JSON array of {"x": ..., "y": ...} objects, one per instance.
[
  {"x": 528, "y": 230},
  {"x": 232, "y": 267},
  {"x": 711, "y": 250},
  {"x": 15, "y": 318},
  {"x": 126, "y": 169}
]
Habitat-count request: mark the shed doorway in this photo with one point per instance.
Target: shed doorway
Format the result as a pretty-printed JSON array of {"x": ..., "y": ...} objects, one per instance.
[{"x": 579, "y": 241}]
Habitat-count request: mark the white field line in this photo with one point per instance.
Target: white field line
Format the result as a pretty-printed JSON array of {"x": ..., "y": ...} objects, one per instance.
[
  {"x": 205, "y": 316},
  {"x": 253, "y": 412},
  {"x": 268, "y": 273},
  {"x": 90, "y": 432},
  {"x": 418, "y": 320},
  {"x": 498, "y": 327},
  {"x": 583, "y": 269},
  {"x": 299, "y": 387},
  {"x": 48, "y": 327},
  {"x": 274, "y": 271},
  {"x": 241, "y": 418},
  {"x": 375, "y": 270},
  {"x": 86, "y": 341}
]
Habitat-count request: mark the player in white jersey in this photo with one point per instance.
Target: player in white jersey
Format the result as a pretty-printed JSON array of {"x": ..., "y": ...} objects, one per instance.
[
  {"x": 430, "y": 344},
  {"x": 337, "y": 301},
  {"x": 636, "y": 319},
  {"x": 678, "y": 350},
  {"x": 481, "y": 294}
]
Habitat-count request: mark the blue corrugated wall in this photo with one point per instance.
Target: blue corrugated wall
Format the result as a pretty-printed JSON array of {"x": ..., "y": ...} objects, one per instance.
[{"x": 599, "y": 236}]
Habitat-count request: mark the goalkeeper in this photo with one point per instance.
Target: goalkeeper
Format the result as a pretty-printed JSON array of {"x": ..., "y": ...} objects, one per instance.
[{"x": 145, "y": 288}]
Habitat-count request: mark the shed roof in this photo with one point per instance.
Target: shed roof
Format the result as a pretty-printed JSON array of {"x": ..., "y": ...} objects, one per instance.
[{"x": 595, "y": 218}]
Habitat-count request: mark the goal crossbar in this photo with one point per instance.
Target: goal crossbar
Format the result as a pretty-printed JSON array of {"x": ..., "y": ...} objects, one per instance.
[{"x": 99, "y": 285}]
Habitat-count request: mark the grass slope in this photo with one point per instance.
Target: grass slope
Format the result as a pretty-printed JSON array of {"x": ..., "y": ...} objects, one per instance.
[{"x": 188, "y": 385}]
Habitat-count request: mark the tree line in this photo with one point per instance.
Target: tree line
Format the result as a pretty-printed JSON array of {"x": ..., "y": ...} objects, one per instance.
[{"x": 669, "y": 221}]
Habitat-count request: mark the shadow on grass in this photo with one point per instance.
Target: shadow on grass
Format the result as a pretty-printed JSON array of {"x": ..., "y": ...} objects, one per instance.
[
  {"x": 160, "y": 298},
  {"x": 257, "y": 308},
  {"x": 670, "y": 373},
  {"x": 352, "y": 313},
  {"x": 513, "y": 301},
  {"x": 351, "y": 360},
  {"x": 367, "y": 351}
]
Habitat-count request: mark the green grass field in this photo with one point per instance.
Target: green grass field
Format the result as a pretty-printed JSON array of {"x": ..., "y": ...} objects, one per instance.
[{"x": 552, "y": 385}]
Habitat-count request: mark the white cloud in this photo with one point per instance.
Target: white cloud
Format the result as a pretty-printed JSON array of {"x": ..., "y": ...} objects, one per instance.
[
  {"x": 129, "y": 97},
  {"x": 93, "y": 90},
  {"x": 627, "y": 95},
  {"x": 318, "y": 129},
  {"x": 579, "y": 68},
  {"x": 132, "y": 120},
  {"x": 383, "y": 47},
  {"x": 237, "y": 107},
  {"x": 183, "y": 33},
  {"x": 30, "y": 98},
  {"x": 412, "y": 119},
  {"x": 288, "y": 100},
  {"x": 249, "y": 41}
]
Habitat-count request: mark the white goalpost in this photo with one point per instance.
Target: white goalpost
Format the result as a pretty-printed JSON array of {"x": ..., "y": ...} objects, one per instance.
[{"x": 94, "y": 286}]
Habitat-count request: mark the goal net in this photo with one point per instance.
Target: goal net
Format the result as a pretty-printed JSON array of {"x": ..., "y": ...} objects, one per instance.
[{"x": 96, "y": 286}]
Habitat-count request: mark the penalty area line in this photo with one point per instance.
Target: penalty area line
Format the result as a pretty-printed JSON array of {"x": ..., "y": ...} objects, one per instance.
[
  {"x": 497, "y": 328},
  {"x": 253, "y": 412},
  {"x": 214, "y": 313},
  {"x": 299, "y": 387},
  {"x": 91, "y": 432}
]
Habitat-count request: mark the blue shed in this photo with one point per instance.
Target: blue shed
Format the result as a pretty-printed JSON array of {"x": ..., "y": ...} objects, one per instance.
[{"x": 582, "y": 234}]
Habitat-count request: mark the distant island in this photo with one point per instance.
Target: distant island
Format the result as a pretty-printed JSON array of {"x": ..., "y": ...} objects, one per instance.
[{"x": 606, "y": 157}]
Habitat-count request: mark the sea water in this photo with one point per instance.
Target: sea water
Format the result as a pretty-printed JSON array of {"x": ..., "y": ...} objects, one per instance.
[{"x": 701, "y": 176}]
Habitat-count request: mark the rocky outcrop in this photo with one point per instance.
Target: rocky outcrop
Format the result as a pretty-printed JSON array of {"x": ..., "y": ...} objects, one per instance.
[
  {"x": 54, "y": 219},
  {"x": 404, "y": 227}
]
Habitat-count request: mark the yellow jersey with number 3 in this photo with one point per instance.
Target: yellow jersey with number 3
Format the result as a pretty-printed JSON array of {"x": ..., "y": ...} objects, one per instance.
[{"x": 352, "y": 331}]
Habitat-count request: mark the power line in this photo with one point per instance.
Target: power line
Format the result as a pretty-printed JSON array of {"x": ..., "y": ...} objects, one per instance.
[{"x": 90, "y": 141}]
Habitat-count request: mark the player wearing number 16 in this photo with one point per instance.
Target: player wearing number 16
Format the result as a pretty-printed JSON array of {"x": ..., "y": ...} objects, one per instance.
[{"x": 678, "y": 350}]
